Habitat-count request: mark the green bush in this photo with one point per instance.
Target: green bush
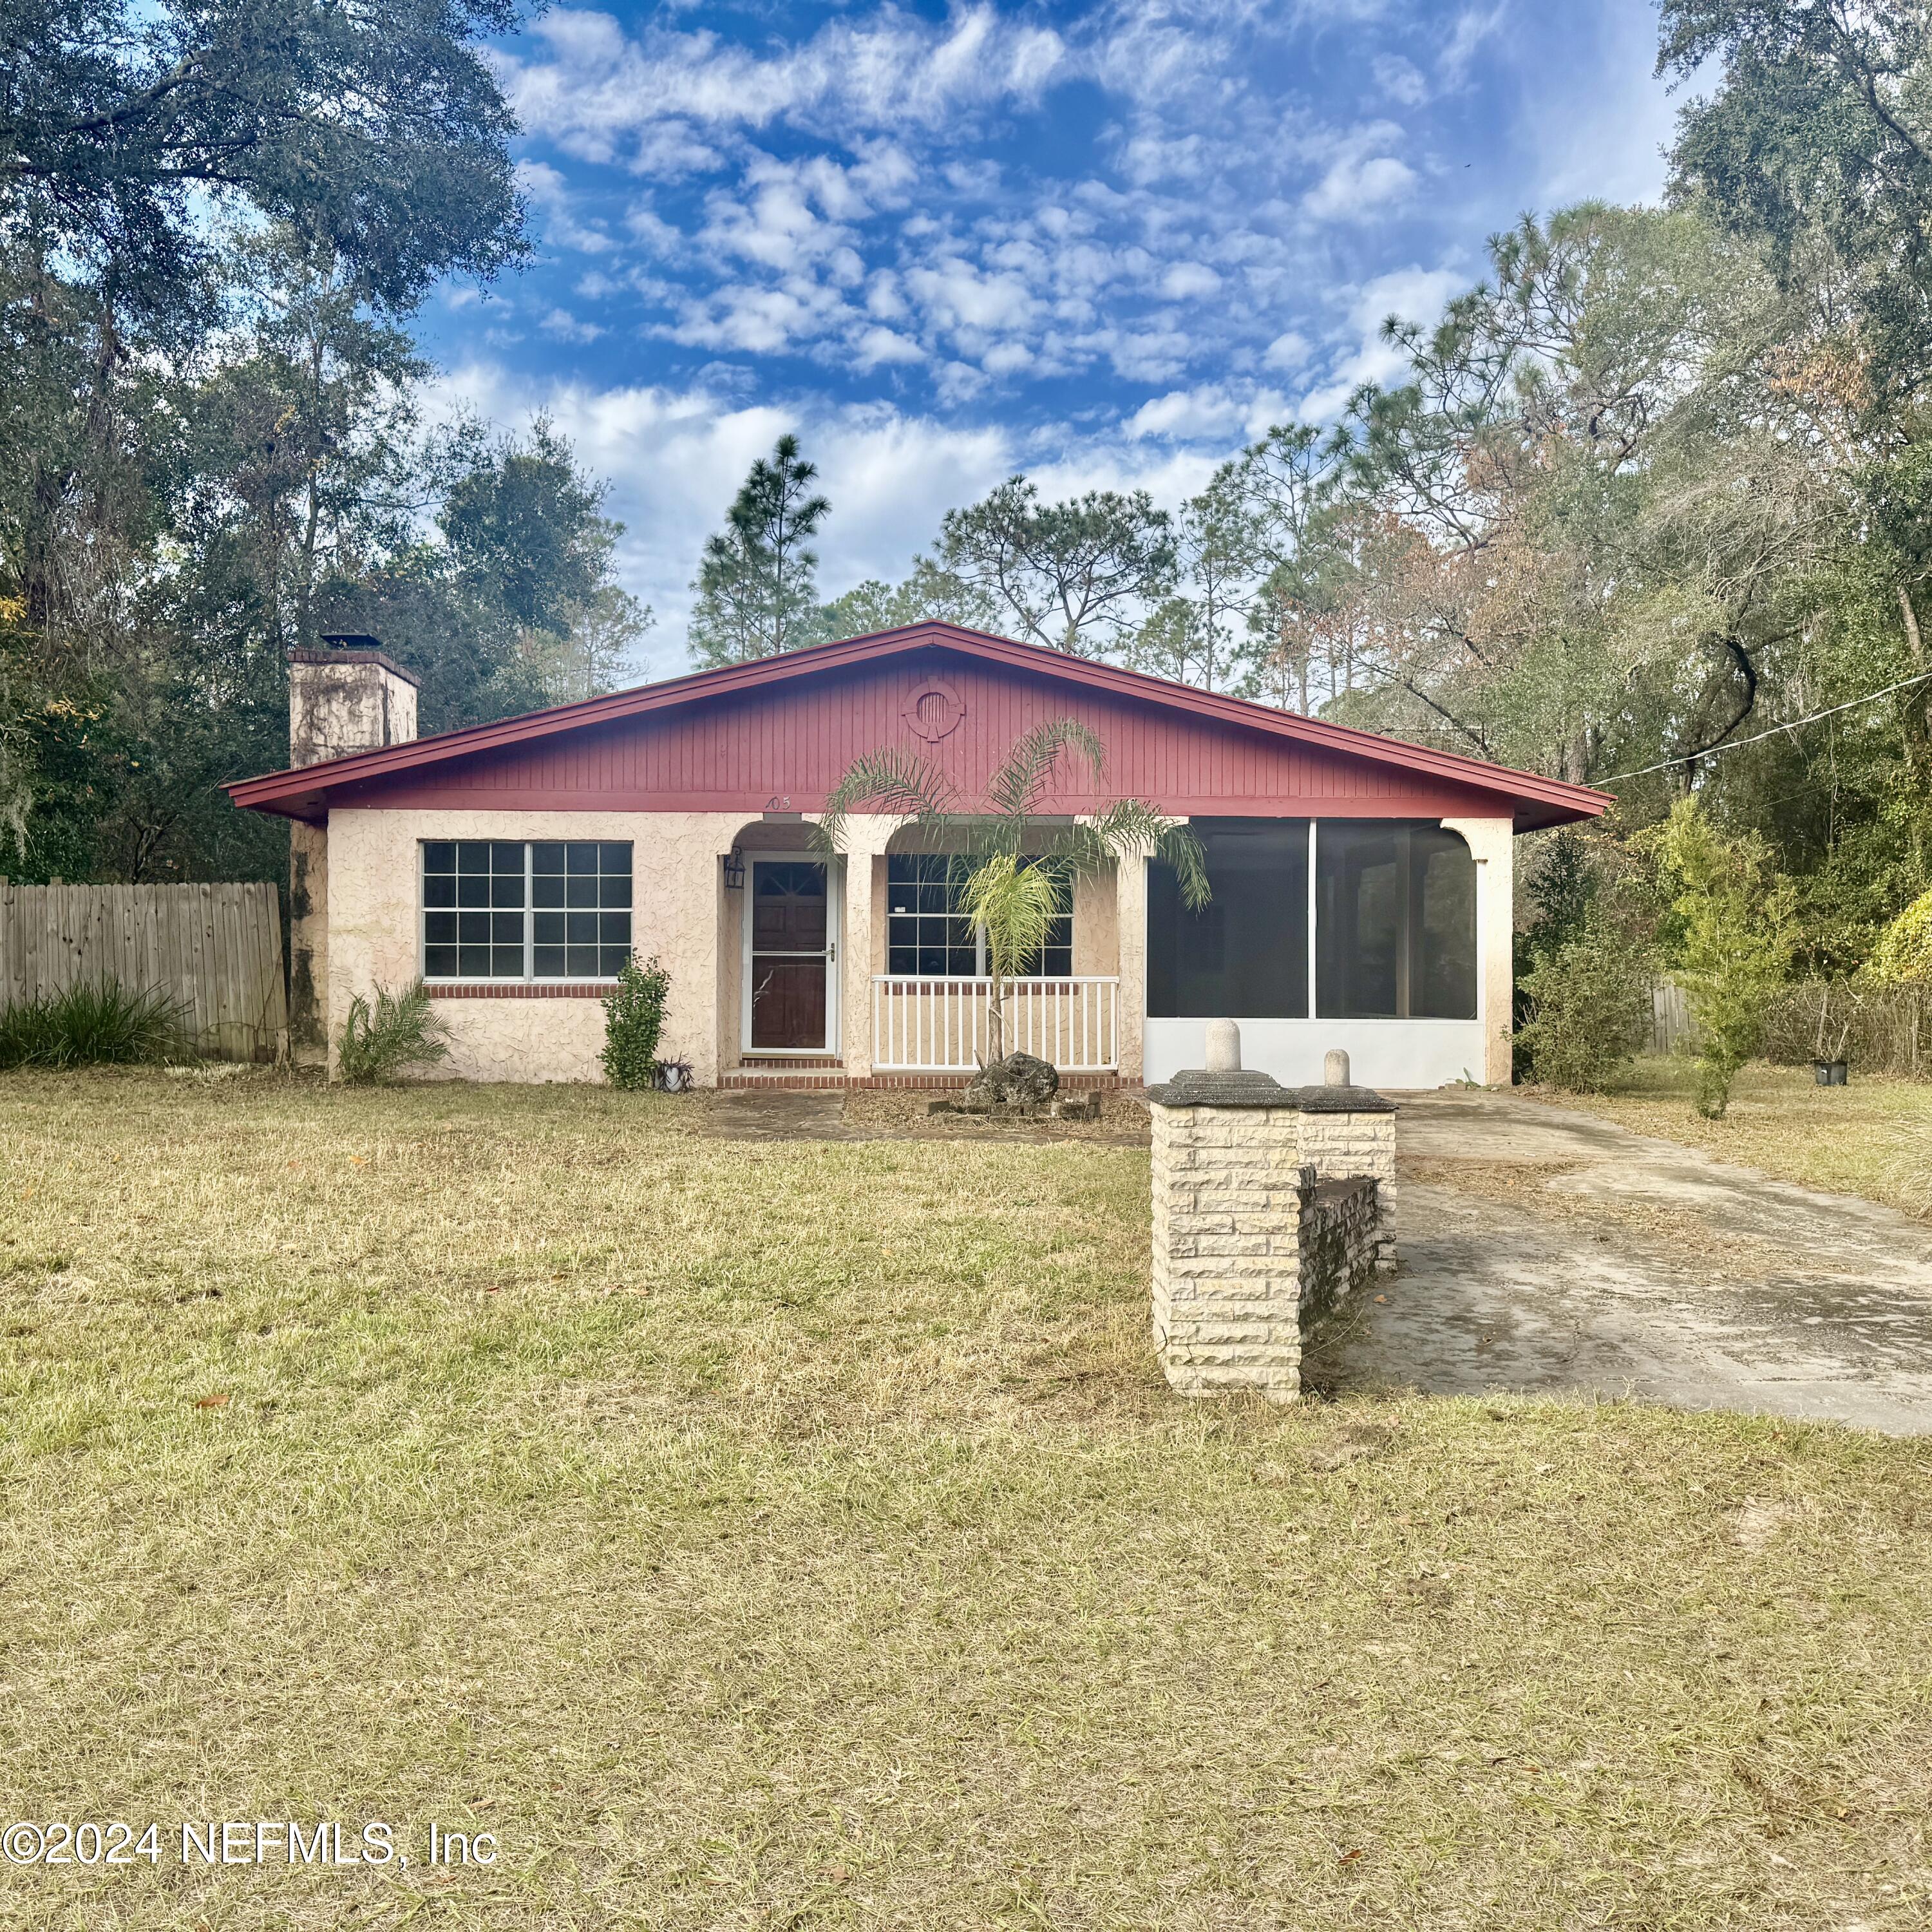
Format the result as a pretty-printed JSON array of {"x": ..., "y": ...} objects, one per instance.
[
  {"x": 1734, "y": 944},
  {"x": 402, "y": 1030},
  {"x": 103, "y": 1023},
  {"x": 634, "y": 1013},
  {"x": 1589, "y": 1005},
  {"x": 1903, "y": 954}
]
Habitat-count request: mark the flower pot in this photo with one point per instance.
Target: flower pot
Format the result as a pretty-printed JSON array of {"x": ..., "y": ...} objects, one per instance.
[{"x": 1829, "y": 1072}]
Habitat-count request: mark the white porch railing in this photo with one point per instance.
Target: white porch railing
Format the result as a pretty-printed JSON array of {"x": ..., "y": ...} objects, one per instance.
[{"x": 944, "y": 1026}]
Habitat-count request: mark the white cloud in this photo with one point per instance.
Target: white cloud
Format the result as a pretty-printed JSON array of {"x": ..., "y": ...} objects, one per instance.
[
  {"x": 546, "y": 191},
  {"x": 1472, "y": 27},
  {"x": 595, "y": 90},
  {"x": 1358, "y": 183},
  {"x": 1400, "y": 80},
  {"x": 1185, "y": 279},
  {"x": 1416, "y": 294},
  {"x": 567, "y": 328},
  {"x": 1289, "y": 350}
]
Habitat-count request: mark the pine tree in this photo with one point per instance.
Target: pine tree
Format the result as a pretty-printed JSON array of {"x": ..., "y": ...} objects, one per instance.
[{"x": 756, "y": 588}]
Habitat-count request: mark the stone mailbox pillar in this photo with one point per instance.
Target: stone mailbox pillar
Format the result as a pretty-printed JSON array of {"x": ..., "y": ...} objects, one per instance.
[{"x": 1269, "y": 1209}]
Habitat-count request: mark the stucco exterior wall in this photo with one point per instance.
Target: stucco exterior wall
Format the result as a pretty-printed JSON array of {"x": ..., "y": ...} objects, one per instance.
[
  {"x": 1491, "y": 844},
  {"x": 373, "y": 892},
  {"x": 1130, "y": 891}
]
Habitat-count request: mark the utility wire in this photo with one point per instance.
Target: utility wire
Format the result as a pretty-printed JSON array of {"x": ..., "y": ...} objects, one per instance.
[{"x": 1792, "y": 724}]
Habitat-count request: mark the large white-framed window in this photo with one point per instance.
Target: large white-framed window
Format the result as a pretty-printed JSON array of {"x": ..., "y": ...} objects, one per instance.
[
  {"x": 524, "y": 909},
  {"x": 928, "y": 938}
]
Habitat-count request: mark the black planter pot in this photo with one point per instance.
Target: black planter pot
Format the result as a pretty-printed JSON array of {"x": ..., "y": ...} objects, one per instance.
[{"x": 1830, "y": 1073}]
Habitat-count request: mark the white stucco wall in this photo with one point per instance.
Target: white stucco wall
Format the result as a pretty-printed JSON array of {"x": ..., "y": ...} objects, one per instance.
[
  {"x": 677, "y": 886},
  {"x": 1491, "y": 844}
]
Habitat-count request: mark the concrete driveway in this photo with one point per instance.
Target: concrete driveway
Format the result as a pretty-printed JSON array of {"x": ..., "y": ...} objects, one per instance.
[{"x": 1547, "y": 1250}]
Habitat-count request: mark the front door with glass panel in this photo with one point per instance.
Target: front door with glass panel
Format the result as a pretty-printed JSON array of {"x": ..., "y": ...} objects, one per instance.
[{"x": 791, "y": 991}]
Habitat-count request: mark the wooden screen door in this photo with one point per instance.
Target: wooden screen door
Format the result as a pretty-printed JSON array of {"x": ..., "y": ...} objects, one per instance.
[{"x": 792, "y": 949}]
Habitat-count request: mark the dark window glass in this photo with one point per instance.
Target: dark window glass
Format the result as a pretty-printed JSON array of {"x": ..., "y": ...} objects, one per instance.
[
  {"x": 1395, "y": 922},
  {"x": 1056, "y": 958},
  {"x": 924, "y": 933},
  {"x": 594, "y": 882},
  {"x": 1244, "y": 955},
  {"x": 475, "y": 918}
]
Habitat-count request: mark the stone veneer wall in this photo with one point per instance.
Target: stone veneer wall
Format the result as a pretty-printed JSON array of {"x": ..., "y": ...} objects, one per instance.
[{"x": 1270, "y": 1208}]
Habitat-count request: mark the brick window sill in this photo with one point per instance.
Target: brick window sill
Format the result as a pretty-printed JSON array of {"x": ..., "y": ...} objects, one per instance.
[{"x": 573, "y": 989}]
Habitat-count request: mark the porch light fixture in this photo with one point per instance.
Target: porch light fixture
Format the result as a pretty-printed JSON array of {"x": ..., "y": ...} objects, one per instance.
[{"x": 734, "y": 870}]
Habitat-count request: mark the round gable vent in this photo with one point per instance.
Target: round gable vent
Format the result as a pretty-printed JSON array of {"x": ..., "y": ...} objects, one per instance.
[{"x": 933, "y": 710}]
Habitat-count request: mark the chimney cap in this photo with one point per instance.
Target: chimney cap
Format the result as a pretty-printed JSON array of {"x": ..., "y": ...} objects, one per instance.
[{"x": 353, "y": 647}]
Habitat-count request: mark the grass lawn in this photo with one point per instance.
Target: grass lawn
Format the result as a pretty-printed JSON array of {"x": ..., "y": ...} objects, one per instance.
[
  {"x": 783, "y": 1534},
  {"x": 1870, "y": 1137}
]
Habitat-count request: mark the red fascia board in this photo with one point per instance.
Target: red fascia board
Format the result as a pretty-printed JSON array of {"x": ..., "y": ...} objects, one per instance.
[{"x": 301, "y": 793}]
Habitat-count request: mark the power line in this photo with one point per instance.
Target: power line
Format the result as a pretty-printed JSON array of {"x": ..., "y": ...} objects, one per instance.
[{"x": 1792, "y": 724}]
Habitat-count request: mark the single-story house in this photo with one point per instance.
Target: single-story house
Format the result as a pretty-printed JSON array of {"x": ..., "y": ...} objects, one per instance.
[{"x": 1361, "y": 887}]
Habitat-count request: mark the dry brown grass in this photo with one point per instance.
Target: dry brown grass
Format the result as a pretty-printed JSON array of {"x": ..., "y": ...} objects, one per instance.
[
  {"x": 793, "y": 1534},
  {"x": 1872, "y": 1137}
]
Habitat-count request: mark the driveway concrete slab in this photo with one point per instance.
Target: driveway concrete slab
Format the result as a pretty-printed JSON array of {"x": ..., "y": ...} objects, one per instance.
[{"x": 1548, "y": 1250}]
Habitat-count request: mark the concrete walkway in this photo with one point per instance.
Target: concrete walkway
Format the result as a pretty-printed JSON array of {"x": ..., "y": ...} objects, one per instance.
[{"x": 1547, "y": 1250}]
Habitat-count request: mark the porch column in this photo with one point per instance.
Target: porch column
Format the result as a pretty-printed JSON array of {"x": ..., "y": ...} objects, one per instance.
[
  {"x": 866, "y": 839},
  {"x": 1130, "y": 890},
  {"x": 1491, "y": 844}
]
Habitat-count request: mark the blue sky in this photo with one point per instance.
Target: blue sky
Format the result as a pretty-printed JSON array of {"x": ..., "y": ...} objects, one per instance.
[{"x": 1103, "y": 243}]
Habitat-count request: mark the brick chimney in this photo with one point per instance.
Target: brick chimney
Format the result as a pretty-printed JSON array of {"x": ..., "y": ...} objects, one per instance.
[{"x": 349, "y": 696}]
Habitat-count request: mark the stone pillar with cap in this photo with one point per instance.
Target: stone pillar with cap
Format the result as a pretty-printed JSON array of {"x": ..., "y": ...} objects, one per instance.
[{"x": 1268, "y": 1208}]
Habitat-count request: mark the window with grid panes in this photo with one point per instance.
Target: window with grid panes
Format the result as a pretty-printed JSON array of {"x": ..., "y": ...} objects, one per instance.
[
  {"x": 547, "y": 909},
  {"x": 926, "y": 937}
]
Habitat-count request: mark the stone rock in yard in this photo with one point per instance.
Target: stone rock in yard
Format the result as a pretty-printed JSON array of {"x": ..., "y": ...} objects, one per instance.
[
  {"x": 1018, "y": 1080},
  {"x": 1077, "y": 1107}
]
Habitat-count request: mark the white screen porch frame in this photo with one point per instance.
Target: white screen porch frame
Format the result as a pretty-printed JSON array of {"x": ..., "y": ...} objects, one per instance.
[
  {"x": 835, "y": 932},
  {"x": 1411, "y": 1054}
]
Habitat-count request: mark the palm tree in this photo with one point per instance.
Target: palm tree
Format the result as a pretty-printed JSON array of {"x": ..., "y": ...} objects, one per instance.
[{"x": 1015, "y": 872}]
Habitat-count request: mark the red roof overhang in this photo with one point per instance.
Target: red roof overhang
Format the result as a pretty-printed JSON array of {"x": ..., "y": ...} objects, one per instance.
[{"x": 303, "y": 792}]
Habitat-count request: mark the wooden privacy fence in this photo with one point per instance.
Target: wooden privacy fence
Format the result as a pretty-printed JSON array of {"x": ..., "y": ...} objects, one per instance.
[
  {"x": 215, "y": 950},
  {"x": 1884, "y": 1030}
]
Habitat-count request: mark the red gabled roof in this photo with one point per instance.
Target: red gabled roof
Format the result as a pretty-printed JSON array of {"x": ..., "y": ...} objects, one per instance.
[{"x": 303, "y": 792}]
